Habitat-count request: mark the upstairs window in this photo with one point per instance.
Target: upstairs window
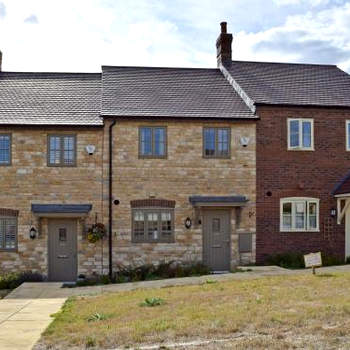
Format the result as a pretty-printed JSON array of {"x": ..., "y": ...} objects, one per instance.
[
  {"x": 62, "y": 150},
  {"x": 347, "y": 125},
  {"x": 300, "y": 134},
  {"x": 216, "y": 142},
  {"x": 8, "y": 230},
  {"x": 299, "y": 214},
  {"x": 152, "y": 142},
  {"x": 5, "y": 149}
]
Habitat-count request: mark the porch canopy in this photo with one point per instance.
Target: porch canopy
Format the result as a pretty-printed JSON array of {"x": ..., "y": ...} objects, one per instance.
[
  {"x": 342, "y": 193},
  {"x": 218, "y": 201},
  {"x": 61, "y": 210}
]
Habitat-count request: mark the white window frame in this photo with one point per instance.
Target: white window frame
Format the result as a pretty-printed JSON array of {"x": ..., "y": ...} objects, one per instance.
[
  {"x": 293, "y": 201},
  {"x": 347, "y": 146},
  {"x": 300, "y": 147}
]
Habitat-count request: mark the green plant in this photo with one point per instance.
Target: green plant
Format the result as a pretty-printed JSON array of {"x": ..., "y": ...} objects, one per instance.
[
  {"x": 96, "y": 232},
  {"x": 14, "y": 280},
  {"x": 97, "y": 317},
  {"x": 151, "y": 302},
  {"x": 209, "y": 281}
]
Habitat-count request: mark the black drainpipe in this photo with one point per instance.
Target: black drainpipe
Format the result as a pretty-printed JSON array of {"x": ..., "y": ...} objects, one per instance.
[{"x": 110, "y": 212}]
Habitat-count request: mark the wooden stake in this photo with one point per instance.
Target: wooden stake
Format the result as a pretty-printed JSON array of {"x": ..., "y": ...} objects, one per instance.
[{"x": 313, "y": 270}]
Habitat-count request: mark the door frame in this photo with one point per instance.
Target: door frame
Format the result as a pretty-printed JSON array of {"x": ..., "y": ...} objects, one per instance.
[
  {"x": 75, "y": 242},
  {"x": 229, "y": 213},
  {"x": 347, "y": 235}
]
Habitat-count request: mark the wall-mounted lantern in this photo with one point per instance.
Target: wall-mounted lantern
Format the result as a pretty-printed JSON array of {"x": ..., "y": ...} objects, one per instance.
[
  {"x": 333, "y": 212},
  {"x": 188, "y": 223},
  {"x": 32, "y": 233}
]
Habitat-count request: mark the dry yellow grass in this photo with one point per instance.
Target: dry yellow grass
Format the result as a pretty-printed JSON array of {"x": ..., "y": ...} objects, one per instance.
[{"x": 274, "y": 312}]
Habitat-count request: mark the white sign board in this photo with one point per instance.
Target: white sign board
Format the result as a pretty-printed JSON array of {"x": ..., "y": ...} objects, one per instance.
[{"x": 313, "y": 260}]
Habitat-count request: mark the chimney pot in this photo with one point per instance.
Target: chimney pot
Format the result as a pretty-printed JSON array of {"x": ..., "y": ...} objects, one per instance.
[
  {"x": 223, "y": 27},
  {"x": 223, "y": 46}
]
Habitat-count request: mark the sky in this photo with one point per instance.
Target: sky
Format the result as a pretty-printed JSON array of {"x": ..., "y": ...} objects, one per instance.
[{"x": 82, "y": 35}]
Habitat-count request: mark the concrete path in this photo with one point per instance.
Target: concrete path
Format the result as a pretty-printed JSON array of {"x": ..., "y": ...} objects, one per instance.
[{"x": 25, "y": 313}]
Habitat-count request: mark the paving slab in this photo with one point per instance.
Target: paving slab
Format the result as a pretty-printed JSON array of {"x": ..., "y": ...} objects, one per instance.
[{"x": 25, "y": 314}]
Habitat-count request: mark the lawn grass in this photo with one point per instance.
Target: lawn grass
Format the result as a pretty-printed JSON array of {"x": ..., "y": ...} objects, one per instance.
[{"x": 274, "y": 312}]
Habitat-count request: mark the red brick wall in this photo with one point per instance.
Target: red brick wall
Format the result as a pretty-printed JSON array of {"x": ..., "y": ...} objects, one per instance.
[{"x": 299, "y": 174}]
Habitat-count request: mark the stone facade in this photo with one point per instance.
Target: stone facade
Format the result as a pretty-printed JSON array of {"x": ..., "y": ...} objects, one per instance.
[
  {"x": 30, "y": 181},
  {"x": 182, "y": 174},
  {"x": 286, "y": 173}
]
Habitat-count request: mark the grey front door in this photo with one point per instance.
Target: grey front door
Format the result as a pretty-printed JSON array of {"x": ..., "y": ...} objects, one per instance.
[
  {"x": 62, "y": 250},
  {"x": 216, "y": 239}
]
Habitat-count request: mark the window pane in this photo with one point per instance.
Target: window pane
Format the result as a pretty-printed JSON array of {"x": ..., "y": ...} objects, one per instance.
[
  {"x": 2, "y": 233},
  {"x": 294, "y": 133},
  {"x": 10, "y": 234},
  {"x": 300, "y": 215},
  {"x": 312, "y": 215},
  {"x": 223, "y": 142},
  {"x": 287, "y": 216},
  {"x": 4, "y": 149},
  {"x": 146, "y": 141},
  {"x": 166, "y": 224},
  {"x": 287, "y": 208},
  {"x": 209, "y": 142},
  {"x": 153, "y": 231},
  {"x": 306, "y": 134},
  {"x": 159, "y": 141},
  {"x": 139, "y": 224},
  {"x": 68, "y": 150},
  {"x": 55, "y": 150}
]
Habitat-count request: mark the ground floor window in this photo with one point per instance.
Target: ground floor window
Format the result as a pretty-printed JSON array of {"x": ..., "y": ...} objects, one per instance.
[
  {"x": 299, "y": 214},
  {"x": 8, "y": 233},
  {"x": 152, "y": 225}
]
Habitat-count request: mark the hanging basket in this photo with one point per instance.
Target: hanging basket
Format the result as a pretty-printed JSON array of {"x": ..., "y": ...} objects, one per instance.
[{"x": 96, "y": 232}]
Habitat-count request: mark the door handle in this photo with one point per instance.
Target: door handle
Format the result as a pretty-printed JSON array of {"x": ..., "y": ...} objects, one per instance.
[{"x": 62, "y": 256}]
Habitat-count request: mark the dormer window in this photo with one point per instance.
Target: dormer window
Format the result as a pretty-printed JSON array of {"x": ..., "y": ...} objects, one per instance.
[{"x": 301, "y": 134}]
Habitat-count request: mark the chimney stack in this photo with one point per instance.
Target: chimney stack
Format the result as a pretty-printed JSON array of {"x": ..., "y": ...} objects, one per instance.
[
  {"x": 0, "y": 60},
  {"x": 223, "y": 46}
]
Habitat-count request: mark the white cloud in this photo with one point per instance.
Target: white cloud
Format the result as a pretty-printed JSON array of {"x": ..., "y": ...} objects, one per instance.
[{"x": 81, "y": 35}]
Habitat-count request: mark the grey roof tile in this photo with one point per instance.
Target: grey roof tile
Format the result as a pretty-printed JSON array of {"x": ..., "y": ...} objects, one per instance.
[
  {"x": 169, "y": 92},
  {"x": 292, "y": 84},
  {"x": 50, "y": 98}
]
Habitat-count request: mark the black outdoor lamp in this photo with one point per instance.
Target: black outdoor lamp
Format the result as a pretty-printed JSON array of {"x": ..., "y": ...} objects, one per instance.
[
  {"x": 333, "y": 212},
  {"x": 32, "y": 233}
]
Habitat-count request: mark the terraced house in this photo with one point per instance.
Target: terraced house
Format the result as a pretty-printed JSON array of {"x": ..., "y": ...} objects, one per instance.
[{"x": 139, "y": 165}]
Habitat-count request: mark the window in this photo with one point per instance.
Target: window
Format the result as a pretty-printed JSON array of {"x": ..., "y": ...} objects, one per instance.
[
  {"x": 5, "y": 149},
  {"x": 153, "y": 225},
  {"x": 216, "y": 142},
  {"x": 61, "y": 150},
  {"x": 301, "y": 134},
  {"x": 8, "y": 233},
  {"x": 347, "y": 125},
  {"x": 152, "y": 142},
  {"x": 299, "y": 214}
]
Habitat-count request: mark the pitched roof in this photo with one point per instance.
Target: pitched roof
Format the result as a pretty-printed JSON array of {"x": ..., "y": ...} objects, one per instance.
[
  {"x": 293, "y": 84},
  {"x": 169, "y": 92},
  {"x": 50, "y": 98}
]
